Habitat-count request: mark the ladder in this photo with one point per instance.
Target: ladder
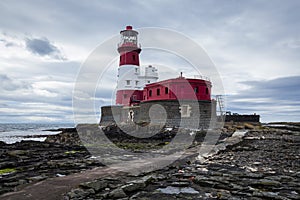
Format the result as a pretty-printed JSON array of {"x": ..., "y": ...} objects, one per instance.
[{"x": 220, "y": 103}]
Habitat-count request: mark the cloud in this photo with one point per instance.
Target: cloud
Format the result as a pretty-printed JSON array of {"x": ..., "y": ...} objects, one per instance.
[
  {"x": 10, "y": 40},
  {"x": 7, "y": 43},
  {"x": 252, "y": 43},
  {"x": 273, "y": 99},
  {"x": 38, "y": 112},
  {"x": 43, "y": 47},
  {"x": 9, "y": 84},
  {"x": 38, "y": 98},
  {"x": 283, "y": 88}
]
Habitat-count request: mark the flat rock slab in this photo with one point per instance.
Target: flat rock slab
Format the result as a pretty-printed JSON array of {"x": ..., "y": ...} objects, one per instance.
[{"x": 55, "y": 188}]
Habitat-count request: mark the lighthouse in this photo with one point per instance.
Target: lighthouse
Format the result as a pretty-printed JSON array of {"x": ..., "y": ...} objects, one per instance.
[
  {"x": 179, "y": 101},
  {"x": 130, "y": 81}
]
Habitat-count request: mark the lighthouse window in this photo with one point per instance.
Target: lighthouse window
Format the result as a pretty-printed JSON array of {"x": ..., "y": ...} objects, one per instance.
[
  {"x": 125, "y": 96},
  {"x": 196, "y": 89},
  {"x": 206, "y": 91},
  {"x": 128, "y": 82},
  {"x": 166, "y": 90},
  {"x": 136, "y": 82},
  {"x": 158, "y": 92},
  {"x": 150, "y": 93}
]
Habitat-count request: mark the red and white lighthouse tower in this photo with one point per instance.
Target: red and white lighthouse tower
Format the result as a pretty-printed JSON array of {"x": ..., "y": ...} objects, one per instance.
[{"x": 130, "y": 82}]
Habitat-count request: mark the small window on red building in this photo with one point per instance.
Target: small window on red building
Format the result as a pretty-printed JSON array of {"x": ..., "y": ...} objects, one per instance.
[
  {"x": 206, "y": 91},
  {"x": 166, "y": 90},
  {"x": 150, "y": 93},
  {"x": 133, "y": 57},
  {"x": 158, "y": 92},
  {"x": 125, "y": 96},
  {"x": 196, "y": 89}
]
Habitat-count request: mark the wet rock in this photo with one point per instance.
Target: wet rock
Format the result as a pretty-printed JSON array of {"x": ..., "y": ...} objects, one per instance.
[
  {"x": 96, "y": 185},
  {"x": 204, "y": 181},
  {"x": 178, "y": 190},
  {"x": 202, "y": 171},
  {"x": 249, "y": 126},
  {"x": 117, "y": 193},
  {"x": 11, "y": 184},
  {"x": 289, "y": 194},
  {"x": 16, "y": 153},
  {"x": 33, "y": 161},
  {"x": 252, "y": 175},
  {"x": 270, "y": 195},
  {"x": 180, "y": 184},
  {"x": 154, "y": 177},
  {"x": 224, "y": 194},
  {"x": 266, "y": 182},
  {"x": 79, "y": 193},
  {"x": 37, "y": 178},
  {"x": 7, "y": 164},
  {"x": 134, "y": 186},
  {"x": 22, "y": 182},
  {"x": 68, "y": 136},
  {"x": 138, "y": 196}
]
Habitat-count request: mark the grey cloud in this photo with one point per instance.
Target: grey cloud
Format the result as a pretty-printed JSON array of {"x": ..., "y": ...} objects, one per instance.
[
  {"x": 235, "y": 33},
  {"x": 18, "y": 92},
  {"x": 7, "y": 40},
  {"x": 7, "y": 83},
  {"x": 284, "y": 88},
  {"x": 3, "y": 105},
  {"x": 7, "y": 43},
  {"x": 2, "y": 40},
  {"x": 10, "y": 44},
  {"x": 272, "y": 99},
  {"x": 43, "y": 47},
  {"x": 62, "y": 98}
]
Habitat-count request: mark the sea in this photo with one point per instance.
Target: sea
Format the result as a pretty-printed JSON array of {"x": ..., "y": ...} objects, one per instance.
[{"x": 14, "y": 132}]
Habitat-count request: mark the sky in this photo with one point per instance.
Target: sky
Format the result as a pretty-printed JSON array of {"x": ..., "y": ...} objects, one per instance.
[{"x": 254, "y": 45}]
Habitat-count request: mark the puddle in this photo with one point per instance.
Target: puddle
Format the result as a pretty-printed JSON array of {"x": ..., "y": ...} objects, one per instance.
[{"x": 177, "y": 190}]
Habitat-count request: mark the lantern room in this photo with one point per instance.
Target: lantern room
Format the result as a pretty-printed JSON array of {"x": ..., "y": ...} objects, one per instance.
[{"x": 128, "y": 47}]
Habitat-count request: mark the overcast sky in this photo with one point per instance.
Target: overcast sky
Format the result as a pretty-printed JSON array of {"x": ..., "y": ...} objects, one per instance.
[{"x": 255, "y": 46}]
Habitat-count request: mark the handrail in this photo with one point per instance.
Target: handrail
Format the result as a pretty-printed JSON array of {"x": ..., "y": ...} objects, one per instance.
[
  {"x": 129, "y": 44},
  {"x": 201, "y": 77}
]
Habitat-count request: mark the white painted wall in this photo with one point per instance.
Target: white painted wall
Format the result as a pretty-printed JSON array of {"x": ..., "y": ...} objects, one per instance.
[{"x": 130, "y": 78}]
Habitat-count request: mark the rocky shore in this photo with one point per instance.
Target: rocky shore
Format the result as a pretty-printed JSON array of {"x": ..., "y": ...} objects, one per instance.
[
  {"x": 262, "y": 164},
  {"x": 31, "y": 161}
]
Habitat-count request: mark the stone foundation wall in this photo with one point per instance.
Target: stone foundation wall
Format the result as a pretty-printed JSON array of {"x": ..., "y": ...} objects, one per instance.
[
  {"x": 198, "y": 113},
  {"x": 110, "y": 115},
  {"x": 186, "y": 114}
]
